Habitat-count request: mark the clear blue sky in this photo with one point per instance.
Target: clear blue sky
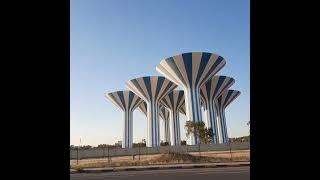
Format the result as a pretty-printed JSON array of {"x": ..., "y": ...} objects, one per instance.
[{"x": 113, "y": 41}]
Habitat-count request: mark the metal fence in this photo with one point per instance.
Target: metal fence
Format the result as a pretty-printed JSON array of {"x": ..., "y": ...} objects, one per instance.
[{"x": 137, "y": 151}]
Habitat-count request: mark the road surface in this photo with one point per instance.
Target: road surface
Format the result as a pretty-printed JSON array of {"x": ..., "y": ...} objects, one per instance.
[{"x": 223, "y": 173}]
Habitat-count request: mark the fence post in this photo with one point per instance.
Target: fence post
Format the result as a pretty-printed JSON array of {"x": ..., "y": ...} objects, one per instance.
[
  {"x": 139, "y": 150},
  {"x": 147, "y": 149},
  {"x": 132, "y": 153},
  {"x": 77, "y": 154},
  {"x": 108, "y": 154},
  {"x": 199, "y": 151},
  {"x": 230, "y": 149},
  {"x": 187, "y": 147}
]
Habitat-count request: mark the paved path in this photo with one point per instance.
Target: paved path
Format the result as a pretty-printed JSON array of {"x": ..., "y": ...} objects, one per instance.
[{"x": 225, "y": 173}]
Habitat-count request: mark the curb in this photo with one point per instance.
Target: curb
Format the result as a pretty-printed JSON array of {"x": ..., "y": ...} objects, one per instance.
[{"x": 181, "y": 166}]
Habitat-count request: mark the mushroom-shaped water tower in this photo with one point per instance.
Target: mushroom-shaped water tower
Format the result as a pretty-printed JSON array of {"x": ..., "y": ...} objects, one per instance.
[
  {"x": 128, "y": 102},
  {"x": 191, "y": 71},
  {"x": 152, "y": 89},
  {"x": 222, "y": 102},
  {"x": 209, "y": 92}
]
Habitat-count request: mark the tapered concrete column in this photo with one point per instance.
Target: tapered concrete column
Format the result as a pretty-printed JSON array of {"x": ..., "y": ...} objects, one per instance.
[
  {"x": 173, "y": 101},
  {"x": 221, "y": 103},
  {"x": 165, "y": 116},
  {"x": 209, "y": 92},
  {"x": 191, "y": 71},
  {"x": 175, "y": 128},
  {"x": 127, "y": 101},
  {"x": 151, "y": 89}
]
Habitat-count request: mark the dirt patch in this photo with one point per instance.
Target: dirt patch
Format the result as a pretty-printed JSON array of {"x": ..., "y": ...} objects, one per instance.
[{"x": 169, "y": 158}]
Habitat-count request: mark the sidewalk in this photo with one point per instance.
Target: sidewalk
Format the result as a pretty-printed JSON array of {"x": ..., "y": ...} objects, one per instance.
[{"x": 153, "y": 167}]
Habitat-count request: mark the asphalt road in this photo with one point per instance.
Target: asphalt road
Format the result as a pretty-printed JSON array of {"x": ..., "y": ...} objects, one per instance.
[{"x": 225, "y": 173}]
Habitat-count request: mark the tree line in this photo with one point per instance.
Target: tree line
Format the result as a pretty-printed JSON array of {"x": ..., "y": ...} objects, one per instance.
[
  {"x": 101, "y": 146},
  {"x": 204, "y": 134}
]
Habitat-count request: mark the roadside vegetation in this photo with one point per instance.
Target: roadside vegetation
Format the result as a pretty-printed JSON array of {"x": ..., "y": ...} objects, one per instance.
[{"x": 168, "y": 158}]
